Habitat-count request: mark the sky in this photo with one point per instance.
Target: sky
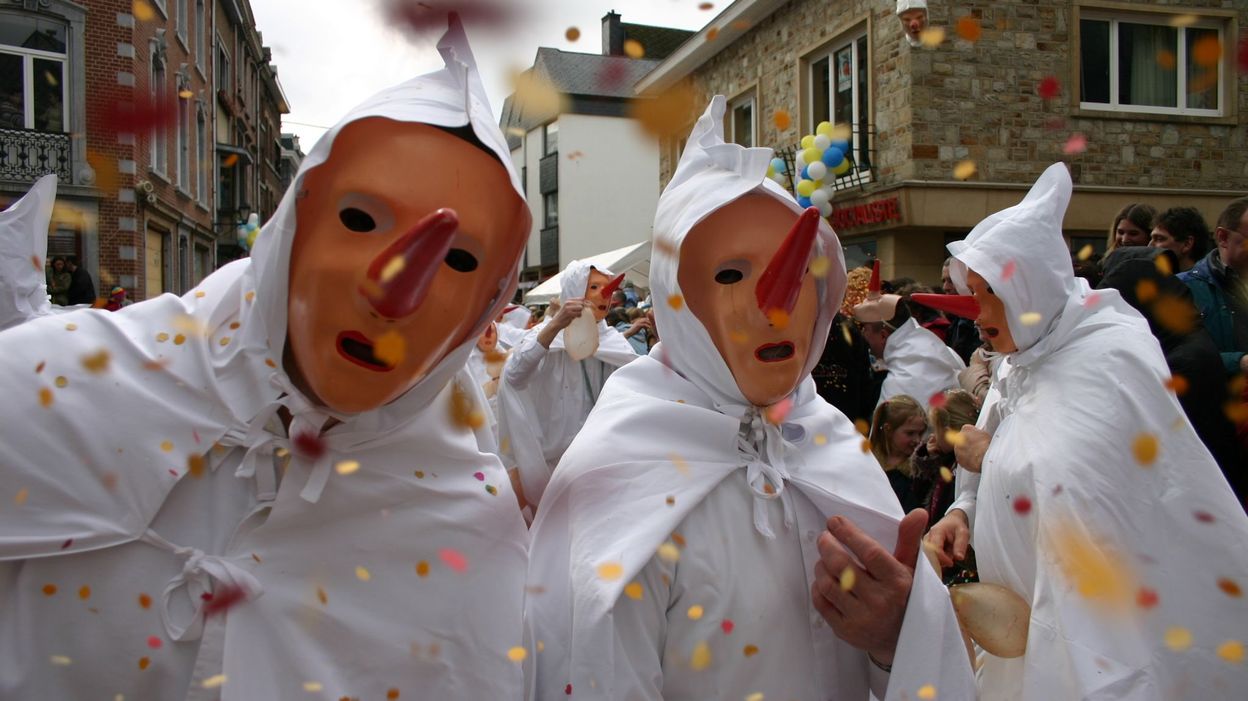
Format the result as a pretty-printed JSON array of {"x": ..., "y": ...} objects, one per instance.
[{"x": 331, "y": 55}]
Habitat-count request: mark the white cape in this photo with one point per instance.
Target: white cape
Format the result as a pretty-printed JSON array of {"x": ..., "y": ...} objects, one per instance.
[
  {"x": 612, "y": 503},
  {"x": 919, "y": 364},
  {"x": 1132, "y": 570},
  {"x": 406, "y": 574},
  {"x": 23, "y": 249}
]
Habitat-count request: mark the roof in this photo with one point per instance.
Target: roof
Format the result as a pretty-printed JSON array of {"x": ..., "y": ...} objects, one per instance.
[{"x": 659, "y": 42}]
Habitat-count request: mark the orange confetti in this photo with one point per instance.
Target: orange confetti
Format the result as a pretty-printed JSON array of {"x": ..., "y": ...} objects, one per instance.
[
  {"x": 1230, "y": 588},
  {"x": 390, "y": 349},
  {"x": 422, "y": 569},
  {"x": 610, "y": 571},
  {"x": 1145, "y": 448},
  {"x": 572, "y": 34},
  {"x": 706, "y": 6},
  {"x": 668, "y": 113},
  {"x": 392, "y": 694},
  {"x": 712, "y": 34},
  {"x": 179, "y": 339},
  {"x": 781, "y": 119},
  {"x": 778, "y": 318},
  {"x": 49, "y": 589},
  {"x": 195, "y": 465},
  {"x": 464, "y": 411},
  {"x": 39, "y": 368},
  {"x": 144, "y": 662},
  {"x": 84, "y": 593},
  {"x": 964, "y": 170},
  {"x": 866, "y": 445},
  {"x": 1098, "y": 572},
  {"x": 96, "y": 362},
  {"x": 927, "y": 692},
  {"x": 230, "y": 161},
  {"x": 634, "y": 49},
  {"x": 970, "y": 29},
  {"x": 1162, "y": 263},
  {"x": 1178, "y": 384},
  {"x": 322, "y": 596},
  {"x": 634, "y": 591},
  {"x": 1232, "y": 651},
  {"x": 142, "y": 11},
  {"x": 1166, "y": 60},
  {"x": 145, "y": 601},
  {"x": 676, "y": 302},
  {"x": 695, "y": 612},
  {"x": 1207, "y": 51},
  {"x": 1175, "y": 314},
  {"x": 750, "y": 650},
  {"x": 45, "y": 397}
]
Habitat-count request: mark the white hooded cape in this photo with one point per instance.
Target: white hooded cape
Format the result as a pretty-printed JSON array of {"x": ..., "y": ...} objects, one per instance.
[
  {"x": 514, "y": 325},
  {"x": 544, "y": 395},
  {"x": 23, "y": 248},
  {"x": 919, "y": 364},
  {"x": 610, "y": 506},
  {"x": 407, "y": 574},
  {"x": 1087, "y": 380}
]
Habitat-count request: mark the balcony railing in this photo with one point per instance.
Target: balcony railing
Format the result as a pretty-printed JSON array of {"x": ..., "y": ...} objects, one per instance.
[
  {"x": 27, "y": 155},
  {"x": 861, "y": 159}
]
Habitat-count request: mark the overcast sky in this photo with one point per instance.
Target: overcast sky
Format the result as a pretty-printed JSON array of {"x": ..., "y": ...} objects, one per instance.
[{"x": 331, "y": 54}]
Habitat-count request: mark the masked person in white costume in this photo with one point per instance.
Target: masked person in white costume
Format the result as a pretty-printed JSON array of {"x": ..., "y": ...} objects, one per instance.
[
  {"x": 1097, "y": 504},
  {"x": 23, "y": 248},
  {"x": 513, "y": 323},
  {"x": 550, "y": 385},
  {"x": 912, "y": 14},
  {"x": 742, "y": 466},
  {"x": 231, "y": 495}
]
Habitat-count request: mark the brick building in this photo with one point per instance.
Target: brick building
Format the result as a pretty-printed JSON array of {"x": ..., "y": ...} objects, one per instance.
[
  {"x": 141, "y": 207},
  {"x": 1164, "y": 118}
]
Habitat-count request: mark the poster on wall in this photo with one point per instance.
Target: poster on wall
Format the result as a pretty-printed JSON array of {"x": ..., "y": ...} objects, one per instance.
[{"x": 844, "y": 71}]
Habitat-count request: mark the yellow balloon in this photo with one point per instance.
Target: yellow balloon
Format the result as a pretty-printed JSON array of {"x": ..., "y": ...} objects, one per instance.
[
  {"x": 824, "y": 128},
  {"x": 805, "y": 187},
  {"x": 811, "y": 154},
  {"x": 808, "y": 141},
  {"x": 842, "y": 167}
]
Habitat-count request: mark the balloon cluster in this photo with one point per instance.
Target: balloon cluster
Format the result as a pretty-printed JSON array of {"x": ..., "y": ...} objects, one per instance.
[
  {"x": 248, "y": 231},
  {"x": 822, "y": 157}
]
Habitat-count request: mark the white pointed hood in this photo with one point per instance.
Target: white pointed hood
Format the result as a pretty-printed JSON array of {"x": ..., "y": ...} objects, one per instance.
[
  {"x": 23, "y": 248},
  {"x": 711, "y": 175}
]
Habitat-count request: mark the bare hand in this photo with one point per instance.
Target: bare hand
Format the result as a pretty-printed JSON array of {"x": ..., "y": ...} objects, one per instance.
[
  {"x": 950, "y": 536},
  {"x": 971, "y": 449},
  {"x": 868, "y": 614},
  {"x": 569, "y": 312}
]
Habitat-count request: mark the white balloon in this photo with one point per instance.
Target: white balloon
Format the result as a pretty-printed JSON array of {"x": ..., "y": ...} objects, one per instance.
[
  {"x": 800, "y": 162},
  {"x": 825, "y": 209},
  {"x": 817, "y": 170},
  {"x": 822, "y": 142},
  {"x": 819, "y": 198}
]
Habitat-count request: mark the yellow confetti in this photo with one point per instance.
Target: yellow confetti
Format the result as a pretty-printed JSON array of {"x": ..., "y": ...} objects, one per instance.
[
  {"x": 819, "y": 266},
  {"x": 195, "y": 464},
  {"x": 143, "y": 12},
  {"x": 347, "y": 467},
  {"x": 422, "y": 569},
  {"x": 162, "y": 337},
  {"x": 676, "y": 302},
  {"x": 701, "y": 658},
  {"x": 61, "y": 660},
  {"x": 610, "y": 571},
  {"x": 1087, "y": 251},
  {"x": 965, "y": 170},
  {"x": 61, "y": 381},
  {"x": 312, "y": 687},
  {"x": 1183, "y": 20},
  {"x": 946, "y": 475},
  {"x": 96, "y": 362},
  {"x": 1030, "y": 318},
  {"x": 363, "y": 574},
  {"x": 1145, "y": 448},
  {"x": 1096, "y": 570},
  {"x": 749, "y": 650},
  {"x": 634, "y": 49},
  {"x": 821, "y": 439},
  {"x": 927, "y": 692},
  {"x": 179, "y": 339},
  {"x": 45, "y": 397},
  {"x": 694, "y": 612},
  {"x": 166, "y": 446},
  {"x": 1232, "y": 651},
  {"x": 932, "y": 37},
  {"x": 225, "y": 340},
  {"x": 633, "y": 591},
  {"x": 394, "y": 267},
  {"x": 1178, "y": 639},
  {"x": 1163, "y": 265},
  {"x": 681, "y": 466},
  {"x": 669, "y": 552},
  {"x": 250, "y": 296},
  {"x": 756, "y": 696},
  {"x": 517, "y": 654},
  {"x": 214, "y": 681},
  {"x": 1146, "y": 290},
  {"x": 71, "y": 327},
  {"x": 848, "y": 578}
]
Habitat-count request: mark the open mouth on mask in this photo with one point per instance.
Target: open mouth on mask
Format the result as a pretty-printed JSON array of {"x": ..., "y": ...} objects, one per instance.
[
  {"x": 774, "y": 352},
  {"x": 356, "y": 347}
]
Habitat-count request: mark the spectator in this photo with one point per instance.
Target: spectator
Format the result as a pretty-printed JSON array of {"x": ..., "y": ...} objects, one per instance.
[
  {"x": 931, "y": 486},
  {"x": 1190, "y": 354},
  {"x": 630, "y": 294},
  {"x": 926, "y": 317},
  {"x": 1089, "y": 268},
  {"x": 59, "y": 281},
  {"x": 618, "y": 300},
  {"x": 843, "y": 375},
  {"x": 962, "y": 335},
  {"x": 1184, "y": 231},
  {"x": 1218, "y": 287},
  {"x": 1132, "y": 226},
  {"x": 633, "y": 325},
  {"x": 117, "y": 299},
  {"x": 896, "y": 431},
  {"x": 81, "y": 288}
]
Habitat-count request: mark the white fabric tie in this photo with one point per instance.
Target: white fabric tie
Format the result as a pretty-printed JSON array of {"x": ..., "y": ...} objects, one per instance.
[
  {"x": 763, "y": 446},
  {"x": 197, "y": 578}
]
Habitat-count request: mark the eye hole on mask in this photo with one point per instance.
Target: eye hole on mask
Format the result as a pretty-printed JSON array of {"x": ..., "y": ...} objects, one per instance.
[
  {"x": 733, "y": 271},
  {"x": 460, "y": 260},
  {"x": 357, "y": 220}
]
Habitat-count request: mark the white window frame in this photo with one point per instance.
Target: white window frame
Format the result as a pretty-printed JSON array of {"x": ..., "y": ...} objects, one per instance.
[
  {"x": 1180, "y": 67},
  {"x": 749, "y": 99},
  {"x": 828, "y": 51},
  {"x": 547, "y": 129},
  {"x": 202, "y": 38},
  {"x": 28, "y": 57},
  {"x": 181, "y": 21},
  {"x": 159, "y": 96}
]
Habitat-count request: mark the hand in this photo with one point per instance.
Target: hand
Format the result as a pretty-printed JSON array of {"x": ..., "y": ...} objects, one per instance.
[
  {"x": 869, "y": 615},
  {"x": 640, "y": 324},
  {"x": 569, "y": 312},
  {"x": 950, "y": 536},
  {"x": 971, "y": 449},
  {"x": 932, "y": 446}
]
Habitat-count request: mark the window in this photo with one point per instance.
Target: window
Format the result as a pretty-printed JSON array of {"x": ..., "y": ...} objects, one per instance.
[
  {"x": 550, "y": 139},
  {"x": 200, "y": 34},
  {"x": 33, "y": 92},
  {"x": 1150, "y": 66},
  {"x": 181, "y": 19},
  {"x": 550, "y": 206},
  {"x": 223, "y": 68},
  {"x": 859, "y": 253},
  {"x": 839, "y": 92},
  {"x": 184, "y": 143},
  {"x": 160, "y": 96},
  {"x": 741, "y": 121},
  {"x": 205, "y": 161}
]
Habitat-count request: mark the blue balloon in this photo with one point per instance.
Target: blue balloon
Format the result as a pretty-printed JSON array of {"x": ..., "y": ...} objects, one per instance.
[
  {"x": 833, "y": 157},
  {"x": 805, "y": 175},
  {"x": 842, "y": 144},
  {"x": 779, "y": 165},
  {"x": 804, "y": 202}
]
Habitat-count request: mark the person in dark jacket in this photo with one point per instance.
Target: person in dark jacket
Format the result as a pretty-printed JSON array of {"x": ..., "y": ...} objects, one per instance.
[
  {"x": 843, "y": 375},
  {"x": 1192, "y": 356},
  {"x": 1219, "y": 284},
  {"x": 81, "y": 288},
  {"x": 962, "y": 336}
]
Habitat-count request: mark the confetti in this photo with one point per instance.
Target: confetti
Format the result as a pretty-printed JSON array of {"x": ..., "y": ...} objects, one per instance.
[
  {"x": 142, "y": 11},
  {"x": 634, "y": 49},
  {"x": 1175, "y": 314},
  {"x": 969, "y": 28},
  {"x": 749, "y": 650},
  {"x": 39, "y": 368},
  {"x": 821, "y": 439},
  {"x": 309, "y": 445},
  {"x": 145, "y": 601},
  {"x": 848, "y": 578},
  {"x": 144, "y": 662},
  {"x": 819, "y": 267},
  {"x": 706, "y": 6},
  {"x": 214, "y": 681},
  {"x": 223, "y": 599},
  {"x": 162, "y": 337},
  {"x": 572, "y": 34},
  {"x": 633, "y": 591},
  {"x": 727, "y": 625},
  {"x": 454, "y": 560},
  {"x": 964, "y": 170},
  {"x": 1203, "y": 516},
  {"x": 1207, "y": 51},
  {"x": 195, "y": 465},
  {"x": 534, "y": 93},
  {"x": 927, "y": 692},
  {"x": 84, "y": 592},
  {"x": 667, "y": 113},
  {"x": 669, "y": 552},
  {"x": 1162, "y": 263},
  {"x": 312, "y": 687},
  {"x": 701, "y": 658},
  {"x": 1230, "y": 588},
  {"x": 96, "y": 362},
  {"x": 179, "y": 339},
  {"x": 1076, "y": 144},
  {"x": 1085, "y": 252},
  {"x": 45, "y": 397},
  {"x": 362, "y": 574},
  {"x": 1049, "y": 88},
  {"x": 392, "y": 694},
  {"x": 1096, "y": 571},
  {"x": 517, "y": 654},
  {"x": 1178, "y": 639},
  {"x": 1022, "y": 505},
  {"x": 694, "y": 613},
  {"x": 932, "y": 37},
  {"x": 955, "y": 438},
  {"x": 778, "y": 412},
  {"x": 676, "y": 302},
  {"x": 347, "y": 467},
  {"x": 464, "y": 411},
  {"x": 1232, "y": 651},
  {"x": 1178, "y": 384},
  {"x": 71, "y": 327},
  {"x": 866, "y": 445},
  {"x": 154, "y": 642},
  {"x": 49, "y": 589},
  {"x": 422, "y": 17},
  {"x": 1145, "y": 448},
  {"x": 756, "y": 696},
  {"x": 21, "y": 496},
  {"x": 1030, "y": 318},
  {"x": 610, "y": 571},
  {"x": 946, "y": 475},
  {"x": 781, "y": 119},
  {"x": 60, "y": 660},
  {"x": 322, "y": 596},
  {"x": 422, "y": 569},
  {"x": 1166, "y": 60},
  {"x": 1146, "y": 598},
  {"x": 712, "y": 34},
  {"x": 679, "y": 463}
]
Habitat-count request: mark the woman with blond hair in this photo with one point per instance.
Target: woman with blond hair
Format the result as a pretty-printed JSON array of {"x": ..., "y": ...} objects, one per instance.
[
  {"x": 896, "y": 431},
  {"x": 933, "y": 462},
  {"x": 1132, "y": 226}
]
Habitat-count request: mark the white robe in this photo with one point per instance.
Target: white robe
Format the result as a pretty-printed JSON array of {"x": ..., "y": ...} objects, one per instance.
[
  {"x": 739, "y": 499},
  {"x": 1060, "y": 478},
  {"x": 23, "y": 250},
  {"x": 920, "y": 365},
  {"x": 406, "y": 574}
]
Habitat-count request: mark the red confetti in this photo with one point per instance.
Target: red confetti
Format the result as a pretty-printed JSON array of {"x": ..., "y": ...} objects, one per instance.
[
  {"x": 937, "y": 401},
  {"x": 1008, "y": 271},
  {"x": 67, "y": 543},
  {"x": 1203, "y": 516},
  {"x": 612, "y": 74},
  {"x": 1022, "y": 505},
  {"x": 454, "y": 559},
  {"x": 479, "y": 475},
  {"x": 428, "y": 16},
  {"x": 727, "y": 626},
  {"x": 778, "y": 412},
  {"x": 1076, "y": 144},
  {"x": 1146, "y": 598},
  {"x": 1049, "y": 88},
  {"x": 568, "y": 690},
  {"x": 145, "y": 601},
  {"x": 154, "y": 642},
  {"x": 1243, "y": 53},
  {"x": 140, "y": 115},
  {"x": 195, "y": 435},
  {"x": 223, "y": 600},
  {"x": 309, "y": 445}
]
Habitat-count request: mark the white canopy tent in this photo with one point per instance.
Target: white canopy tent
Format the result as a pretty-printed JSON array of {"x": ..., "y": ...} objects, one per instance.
[{"x": 633, "y": 259}]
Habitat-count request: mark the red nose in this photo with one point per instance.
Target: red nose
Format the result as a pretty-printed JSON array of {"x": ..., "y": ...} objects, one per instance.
[
  {"x": 964, "y": 306},
  {"x": 781, "y": 282},
  {"x": 612, "y": 286},
  {"x": 398, "y": 278}
]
